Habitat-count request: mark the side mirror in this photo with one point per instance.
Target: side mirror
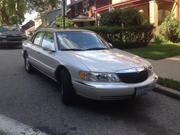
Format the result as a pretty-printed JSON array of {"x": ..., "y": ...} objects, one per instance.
[{"x": 49, "y": 47}]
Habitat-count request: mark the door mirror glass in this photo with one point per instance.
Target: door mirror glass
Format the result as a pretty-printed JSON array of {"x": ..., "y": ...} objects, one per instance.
[{"x": 48, "y": 47}]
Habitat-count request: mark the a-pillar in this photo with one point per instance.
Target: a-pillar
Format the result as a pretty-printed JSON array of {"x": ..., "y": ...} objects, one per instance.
[{"x": 153, "y": 14}]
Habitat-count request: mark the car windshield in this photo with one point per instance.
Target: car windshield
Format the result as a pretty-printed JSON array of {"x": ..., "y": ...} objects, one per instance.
[
  {"x": 8, "y": 28},
  {"x": 80, "y": 41}
]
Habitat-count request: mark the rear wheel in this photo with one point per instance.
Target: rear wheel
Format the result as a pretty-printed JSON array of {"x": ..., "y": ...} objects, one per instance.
[
  {"x": 27, "y": 65},
  {"x": 67, "y": 92}
]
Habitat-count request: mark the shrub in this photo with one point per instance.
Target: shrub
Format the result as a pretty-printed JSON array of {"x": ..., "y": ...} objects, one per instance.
[
  {"x": 123, "y": 17},
  {"x": 160, "y": 39},
  {"x": 59, "y": 22},
  {"x": 170, "y": 28},
  {"x": 136, "y": 36},
  {"x": 112, "y": 18}
]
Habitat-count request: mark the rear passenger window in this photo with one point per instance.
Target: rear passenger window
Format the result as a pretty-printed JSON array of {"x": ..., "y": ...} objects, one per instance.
[{"x": 38, "y": 38}]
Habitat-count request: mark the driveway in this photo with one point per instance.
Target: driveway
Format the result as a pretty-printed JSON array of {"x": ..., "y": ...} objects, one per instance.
[
  {"x": 167, "y": 68},
  {"x": 34, "y": 100}
]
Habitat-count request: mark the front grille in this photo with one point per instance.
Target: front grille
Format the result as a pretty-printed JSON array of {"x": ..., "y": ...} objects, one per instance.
[
  {"x": 133, "y": 77},
  {"x": 14, "y": 38}
]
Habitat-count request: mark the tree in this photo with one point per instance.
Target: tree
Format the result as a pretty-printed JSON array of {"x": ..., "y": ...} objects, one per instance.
[
  {"x": 170, "y": 28},
  {"x": 59, "y": 22},
  {"x": 12, "y": 11},
  {"x": 42, "y": 5}
]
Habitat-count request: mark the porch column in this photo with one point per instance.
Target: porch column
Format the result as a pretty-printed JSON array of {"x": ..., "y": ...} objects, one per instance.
[
  {"x": 177, "y": 8},
  {"x": 153, "y": 14}
]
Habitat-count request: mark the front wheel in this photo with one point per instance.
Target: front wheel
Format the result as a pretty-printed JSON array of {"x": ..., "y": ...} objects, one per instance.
[
  {"x": 67, "y": 92},
  {"x": 27, "y": 64}
]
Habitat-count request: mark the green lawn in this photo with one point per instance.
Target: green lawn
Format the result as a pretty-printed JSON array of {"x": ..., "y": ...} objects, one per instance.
[
  {"x": 169, "y": 83},
  {"x": 157, "y": 51}
]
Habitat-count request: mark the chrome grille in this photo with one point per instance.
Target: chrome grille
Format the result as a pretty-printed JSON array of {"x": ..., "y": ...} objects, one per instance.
[{"x": 133, "y": 77}]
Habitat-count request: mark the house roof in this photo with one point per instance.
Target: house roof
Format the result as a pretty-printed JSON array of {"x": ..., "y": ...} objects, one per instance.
[{"x": 82, "y": 18}]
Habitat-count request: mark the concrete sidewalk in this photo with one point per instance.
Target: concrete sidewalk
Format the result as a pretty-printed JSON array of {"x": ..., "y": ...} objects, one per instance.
[{"x": 167, "y": 68}]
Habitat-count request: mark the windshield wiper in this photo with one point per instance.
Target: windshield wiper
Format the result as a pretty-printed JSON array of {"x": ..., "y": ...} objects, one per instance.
[
  {"x": 73, "y": 49},
  {"x": 97, "y": 49}
]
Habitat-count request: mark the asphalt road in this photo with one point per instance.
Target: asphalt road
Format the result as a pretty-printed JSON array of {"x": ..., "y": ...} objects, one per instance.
[{"x": 33, "y": 99}]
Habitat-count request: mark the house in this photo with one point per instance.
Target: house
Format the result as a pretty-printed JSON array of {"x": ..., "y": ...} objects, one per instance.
[
  {"x": 30, "y": 27},
  {"x": 76, "y": 8},
  {"x": 154, "y": 10},
  {"x": 82, "y": 12},
  {"x": 50, "y": 16}
]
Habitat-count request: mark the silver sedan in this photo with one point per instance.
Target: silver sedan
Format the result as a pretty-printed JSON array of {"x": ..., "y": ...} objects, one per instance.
[{"x": 85, "y": 64}]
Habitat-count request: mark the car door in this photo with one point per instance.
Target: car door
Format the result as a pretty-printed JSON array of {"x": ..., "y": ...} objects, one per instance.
[
  {"x": 48, "y": 57},
  {"x": 35, "y": 49}
]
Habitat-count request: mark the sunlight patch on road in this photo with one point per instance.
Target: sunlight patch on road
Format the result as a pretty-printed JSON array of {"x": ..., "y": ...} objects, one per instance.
[
  {"x": 174, "y": 58},
  {"x": 10, "y": 126}
]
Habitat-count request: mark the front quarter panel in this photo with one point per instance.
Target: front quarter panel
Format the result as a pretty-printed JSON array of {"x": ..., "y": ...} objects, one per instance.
[{"x": 72, "y": 63}]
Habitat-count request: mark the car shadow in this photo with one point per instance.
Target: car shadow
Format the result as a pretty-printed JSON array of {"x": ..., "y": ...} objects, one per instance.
[
  {"x": 108, "y": 107},
  {"x": 132, "y": 112}
]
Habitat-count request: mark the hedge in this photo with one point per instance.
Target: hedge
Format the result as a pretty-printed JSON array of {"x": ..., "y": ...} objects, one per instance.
[
  {"x": 123, "y": 17},
  {"x": 131, "y": 37}
]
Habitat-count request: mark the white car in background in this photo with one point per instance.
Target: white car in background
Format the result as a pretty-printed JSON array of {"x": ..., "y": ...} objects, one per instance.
[{"x": 84, "y": 64}]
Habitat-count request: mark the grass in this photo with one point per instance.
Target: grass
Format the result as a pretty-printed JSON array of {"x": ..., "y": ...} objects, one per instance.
[
  {"x": 157, "y": 51},
  {"x": 170, "y": 83}
]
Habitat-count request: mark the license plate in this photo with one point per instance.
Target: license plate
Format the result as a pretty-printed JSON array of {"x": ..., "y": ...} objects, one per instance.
[{"x": 141, "y": 90}]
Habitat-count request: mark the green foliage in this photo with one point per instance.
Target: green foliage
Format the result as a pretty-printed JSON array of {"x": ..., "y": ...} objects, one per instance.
[
  {"x": 160, "y": 39},
  {"x": 12, "y": 11},
  {"x": 170, "y": 28},
  {"x": 131, "y": 37},
  {"x": 170, "y": 83},
  {"x": 59, "y": 22},
  {"x": 157, "y": 51},
  {"x": 42, "y": 5},
  {"x": 123, "y": 17}
]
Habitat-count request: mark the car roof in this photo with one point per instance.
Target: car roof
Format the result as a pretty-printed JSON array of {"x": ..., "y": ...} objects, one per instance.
[{"x": 63, "y": 30}]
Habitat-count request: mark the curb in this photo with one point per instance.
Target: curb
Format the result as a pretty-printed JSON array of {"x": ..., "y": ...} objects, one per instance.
[{"x": 167, "y": 91}]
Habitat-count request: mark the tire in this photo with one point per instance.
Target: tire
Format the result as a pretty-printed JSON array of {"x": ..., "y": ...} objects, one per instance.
[
  {"x": 67, "y": 92},
  {"x": 27, "y": 65}
]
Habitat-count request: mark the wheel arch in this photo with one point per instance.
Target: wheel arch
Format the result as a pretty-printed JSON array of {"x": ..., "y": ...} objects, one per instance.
[{"x": 58, "y": 72}]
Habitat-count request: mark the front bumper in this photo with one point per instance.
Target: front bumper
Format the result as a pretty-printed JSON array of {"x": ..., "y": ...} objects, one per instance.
[{"x": 112, "y": 91}]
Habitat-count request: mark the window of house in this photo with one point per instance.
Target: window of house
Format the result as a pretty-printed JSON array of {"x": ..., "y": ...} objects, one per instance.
[
  {"x": 85, "y": 7},
  {"x": 76, "y": 9}
]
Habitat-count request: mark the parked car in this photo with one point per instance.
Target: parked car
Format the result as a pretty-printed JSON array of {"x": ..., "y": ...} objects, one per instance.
[
  {"x": 85, "y": 64},
  {"x": 11, "y": 35}
]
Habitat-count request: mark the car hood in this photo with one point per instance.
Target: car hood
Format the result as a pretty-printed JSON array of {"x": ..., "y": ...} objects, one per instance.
[{"x": 112, "y": 60}]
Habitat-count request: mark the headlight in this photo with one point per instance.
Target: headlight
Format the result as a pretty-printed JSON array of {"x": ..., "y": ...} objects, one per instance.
[
  {"x": 2, "y": 36},
  {"x": 99, "y": 77}
]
